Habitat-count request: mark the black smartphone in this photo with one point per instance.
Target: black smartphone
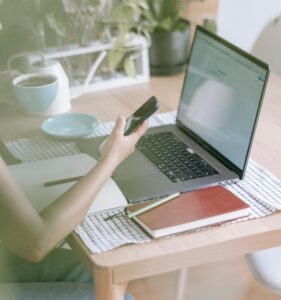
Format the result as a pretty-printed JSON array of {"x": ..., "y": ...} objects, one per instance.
[{"x": 141, "y": 114}]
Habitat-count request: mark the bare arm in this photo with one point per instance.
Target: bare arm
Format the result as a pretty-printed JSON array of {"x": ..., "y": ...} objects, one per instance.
[{"x": 31, "y": 235}]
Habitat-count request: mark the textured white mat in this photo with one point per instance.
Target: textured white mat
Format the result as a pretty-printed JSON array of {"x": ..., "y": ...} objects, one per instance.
[{"x": 260, "y": 189}]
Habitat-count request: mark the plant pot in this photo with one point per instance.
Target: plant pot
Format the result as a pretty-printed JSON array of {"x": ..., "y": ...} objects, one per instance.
[{"x": 169, "y": 51}]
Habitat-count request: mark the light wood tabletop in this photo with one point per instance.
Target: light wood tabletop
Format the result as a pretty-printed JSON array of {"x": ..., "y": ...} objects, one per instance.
[{"x": 114, "y": 269}]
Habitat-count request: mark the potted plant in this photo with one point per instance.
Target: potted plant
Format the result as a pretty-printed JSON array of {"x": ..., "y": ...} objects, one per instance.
[
  {"x": 59, "y": 28},
  {"x": 170, "y": 35},
  {"x": 104, "y": 20},
  {"x": 121, "y": 24}
]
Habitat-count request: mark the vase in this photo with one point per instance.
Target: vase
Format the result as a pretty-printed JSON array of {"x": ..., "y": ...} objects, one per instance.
[{"x": 169, "y": 51}]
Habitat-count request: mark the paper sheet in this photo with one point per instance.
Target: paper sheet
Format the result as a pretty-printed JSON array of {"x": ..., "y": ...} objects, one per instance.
[{"x": 32, "y": 176}]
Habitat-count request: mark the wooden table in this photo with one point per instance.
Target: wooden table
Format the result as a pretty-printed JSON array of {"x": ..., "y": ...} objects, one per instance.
[{"x": 114, "y": 269}]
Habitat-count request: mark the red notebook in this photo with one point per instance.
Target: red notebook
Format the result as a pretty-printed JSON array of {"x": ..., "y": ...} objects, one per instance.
[{"x": 191, "y": 210}]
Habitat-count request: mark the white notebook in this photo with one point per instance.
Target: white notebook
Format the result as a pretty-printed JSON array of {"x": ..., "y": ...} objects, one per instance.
[{"x": 32, "y": 176}]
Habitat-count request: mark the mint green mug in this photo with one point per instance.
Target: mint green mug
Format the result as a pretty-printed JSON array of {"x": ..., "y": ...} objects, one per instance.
[{"x": 36, "y": 91}]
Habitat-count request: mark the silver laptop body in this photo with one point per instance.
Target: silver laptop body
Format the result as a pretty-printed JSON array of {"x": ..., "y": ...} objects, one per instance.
[{"x": 217, "y": 116}]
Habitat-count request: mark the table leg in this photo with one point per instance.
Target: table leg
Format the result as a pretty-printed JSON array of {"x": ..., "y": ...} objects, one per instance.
[
  {"x": 181, "y": 284},
  {"x": 105, "y": 288}
]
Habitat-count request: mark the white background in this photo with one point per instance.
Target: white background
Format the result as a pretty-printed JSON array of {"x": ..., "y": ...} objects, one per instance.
[{"x": 241, "y": 21}]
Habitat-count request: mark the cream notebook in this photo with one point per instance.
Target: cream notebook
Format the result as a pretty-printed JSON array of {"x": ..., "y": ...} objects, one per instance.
[{"x": 32, "y": 176}]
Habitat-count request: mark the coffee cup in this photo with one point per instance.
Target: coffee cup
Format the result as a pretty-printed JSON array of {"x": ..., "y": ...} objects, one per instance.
[{"x": 35, "y": 92}]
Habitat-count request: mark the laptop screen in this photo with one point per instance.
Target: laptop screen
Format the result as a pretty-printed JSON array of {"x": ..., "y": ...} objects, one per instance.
[{"x": 221, "y": 97}]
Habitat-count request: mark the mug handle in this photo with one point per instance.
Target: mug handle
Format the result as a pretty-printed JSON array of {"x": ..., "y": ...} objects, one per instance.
[{"x": 22, "y": 54}]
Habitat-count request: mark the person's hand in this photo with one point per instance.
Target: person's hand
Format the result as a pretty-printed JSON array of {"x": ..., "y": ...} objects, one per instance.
[{"x": 117, "y": 147}]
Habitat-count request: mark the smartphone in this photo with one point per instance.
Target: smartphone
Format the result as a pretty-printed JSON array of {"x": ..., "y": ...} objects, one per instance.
[{"x": 141, "y": 114}]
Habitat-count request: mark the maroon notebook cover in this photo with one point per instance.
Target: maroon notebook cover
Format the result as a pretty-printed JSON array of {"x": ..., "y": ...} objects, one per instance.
[{"x": 191, "y": 207}]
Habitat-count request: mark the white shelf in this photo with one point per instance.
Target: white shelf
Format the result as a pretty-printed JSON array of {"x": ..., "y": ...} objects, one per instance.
[
  {"x": 101, "y": 84},
  {"x": 120, "y": 80},
  {"x": 95, "y": 46}
]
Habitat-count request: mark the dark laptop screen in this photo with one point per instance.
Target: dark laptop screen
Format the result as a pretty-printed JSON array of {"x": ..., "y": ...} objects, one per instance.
[{"x": 221, "y": 96}]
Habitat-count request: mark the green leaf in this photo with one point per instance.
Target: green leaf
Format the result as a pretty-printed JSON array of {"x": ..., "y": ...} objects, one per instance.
[
  {"x": 114, "y": 58},
  {"x": 124, "y": 13},
  {"x": 70, "y": 6},
  {"x": 143, "y": 4},
  {"x": 169, "y": 8},
  {"x": 166, "y": 24},
  {"x": 128, "y": 14},
  {"x": 129, "y": 67},
  {"x": 95, "y": 2},
  {"x": 56, "y": 24}
]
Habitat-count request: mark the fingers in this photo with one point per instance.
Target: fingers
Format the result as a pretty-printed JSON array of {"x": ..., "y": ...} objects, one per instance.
[
  {"x": 120, "y": 125},
  {"x": 140, "y": 131}
]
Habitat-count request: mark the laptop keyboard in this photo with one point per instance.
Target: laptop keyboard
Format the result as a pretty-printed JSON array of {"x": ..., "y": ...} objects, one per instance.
[{"x": 173, "y": 157}]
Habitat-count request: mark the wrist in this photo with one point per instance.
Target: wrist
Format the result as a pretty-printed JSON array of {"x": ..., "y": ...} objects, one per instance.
[{"x": 108, "y": 162}]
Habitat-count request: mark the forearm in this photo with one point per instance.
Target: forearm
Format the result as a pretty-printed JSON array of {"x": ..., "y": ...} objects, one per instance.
[
  {"x": 67, "y": 211},
  {"x": 31, "y": 235}
]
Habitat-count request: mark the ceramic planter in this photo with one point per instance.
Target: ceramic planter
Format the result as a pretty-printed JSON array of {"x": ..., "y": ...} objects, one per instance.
[{"x": 169, "y": 51}]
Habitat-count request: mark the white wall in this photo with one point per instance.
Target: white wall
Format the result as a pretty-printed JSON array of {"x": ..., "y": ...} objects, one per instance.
[{"x": 241, "y": 21}]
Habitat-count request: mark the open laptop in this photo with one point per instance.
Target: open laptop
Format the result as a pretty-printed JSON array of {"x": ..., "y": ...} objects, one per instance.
[{"x": 216, "y": 120}]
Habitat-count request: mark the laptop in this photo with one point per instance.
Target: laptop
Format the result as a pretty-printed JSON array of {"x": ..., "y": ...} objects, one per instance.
[{"x": 216, "y": 119}]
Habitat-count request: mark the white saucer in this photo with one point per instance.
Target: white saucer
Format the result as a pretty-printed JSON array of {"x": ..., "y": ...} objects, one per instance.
[{"x": 70, "y": 125}]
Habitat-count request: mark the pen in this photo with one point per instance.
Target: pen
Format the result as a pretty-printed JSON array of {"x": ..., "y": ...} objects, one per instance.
[
  {"x": 61, "y": 181},
  {"x": 144, "y": 209},
  {"x": 152, "y": 205}
]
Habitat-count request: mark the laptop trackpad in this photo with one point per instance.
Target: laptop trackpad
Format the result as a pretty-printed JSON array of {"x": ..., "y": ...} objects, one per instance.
[{"x": 135, "y": 166}]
